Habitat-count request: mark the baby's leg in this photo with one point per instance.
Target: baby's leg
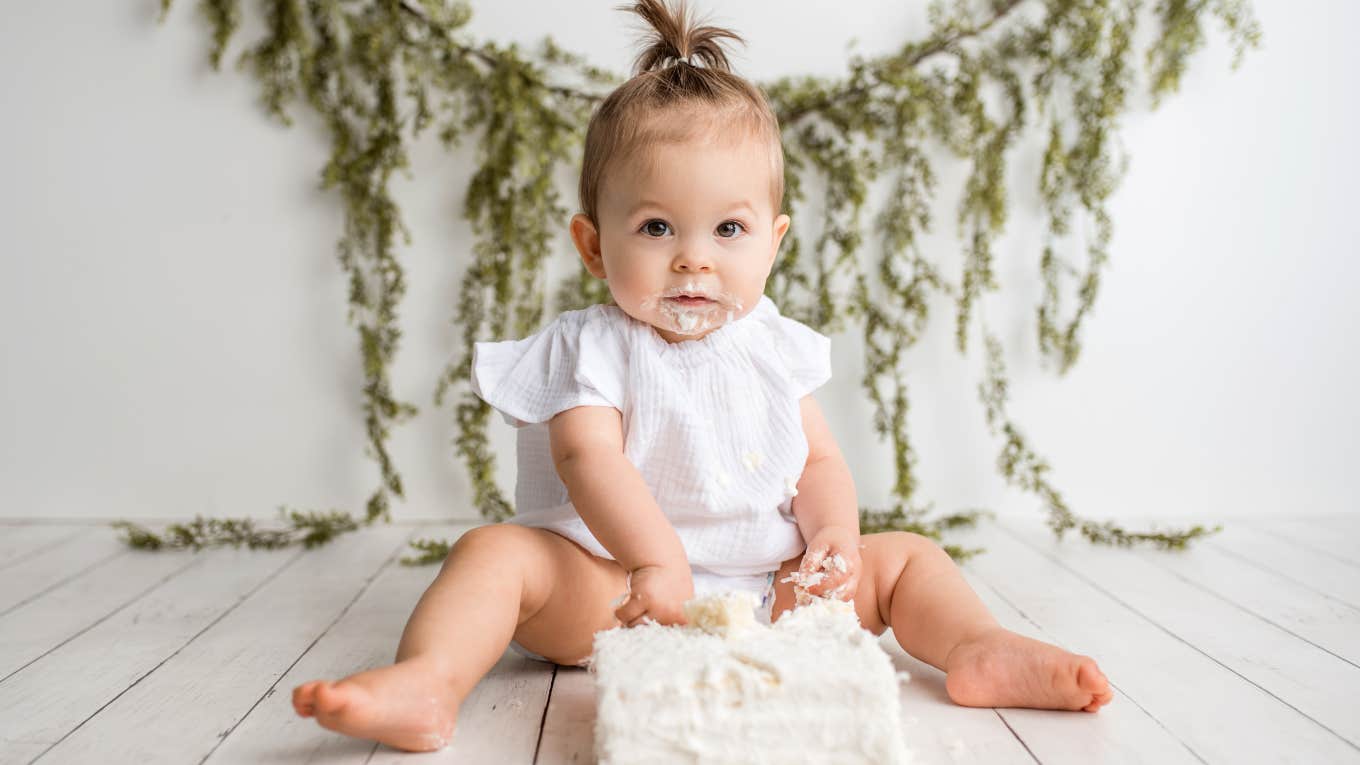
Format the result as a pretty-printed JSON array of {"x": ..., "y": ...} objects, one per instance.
[
  {"x": 911, "y": 584},
  {"x": 498, "y": 582}
]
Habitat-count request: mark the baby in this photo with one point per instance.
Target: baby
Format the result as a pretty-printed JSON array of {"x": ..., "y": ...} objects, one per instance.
[{"x": 669, "y": 444}]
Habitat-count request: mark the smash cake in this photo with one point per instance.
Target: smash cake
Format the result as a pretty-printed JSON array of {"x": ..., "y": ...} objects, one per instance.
[{"x": 813, "y": 687}]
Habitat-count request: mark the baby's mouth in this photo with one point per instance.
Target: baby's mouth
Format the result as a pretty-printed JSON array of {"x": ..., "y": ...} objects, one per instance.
[
  {"x": 690, "y": 301},
  {"x": 694, "y": 308}
]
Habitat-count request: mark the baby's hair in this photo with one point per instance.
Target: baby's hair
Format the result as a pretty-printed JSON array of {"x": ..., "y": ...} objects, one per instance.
[{"x": 666, "y": 76}]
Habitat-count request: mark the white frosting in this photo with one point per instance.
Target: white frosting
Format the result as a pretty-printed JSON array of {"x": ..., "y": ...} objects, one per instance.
[
  {"x": 691, "y": 319},
  {"x": 814, "y": 687},
  {"x": 802, "y": 581}
]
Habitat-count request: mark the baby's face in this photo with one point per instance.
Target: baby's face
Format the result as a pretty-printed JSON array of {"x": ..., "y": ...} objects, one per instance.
[{"x": 688, "y": 234}]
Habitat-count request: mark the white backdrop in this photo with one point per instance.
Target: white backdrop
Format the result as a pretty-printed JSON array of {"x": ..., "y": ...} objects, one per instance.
[{"x": 172, "y": 316}]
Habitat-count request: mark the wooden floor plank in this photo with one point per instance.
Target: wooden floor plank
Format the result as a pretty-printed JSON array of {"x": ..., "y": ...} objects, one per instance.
[
  {"x": 569, "y": 722},
  {"x": 938, "y": 730},
  {"x": 1320, "y": 573},
  {"x": 215, "y": 680},
  {"x": 500, "y": 720},
  {"x": 1122, "y": 731},
  {"x": 1327, "y": 623},
  {"x": 1217, "y": 714},
  {"x": 18, "y": 543},
  {"x": 1336, "y": 536},
  {"x": 29, "y": 578},
  {"x": 45, "y": 623},
  {"x": 1316, "y": 683},
  {"x": 51, "y": 697}
]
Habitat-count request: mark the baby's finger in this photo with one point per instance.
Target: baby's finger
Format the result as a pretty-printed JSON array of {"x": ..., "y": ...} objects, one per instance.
[
  {"x": 812, "y": 560},
  {"x": 633, "y": 608},
  {"x": 646, "y": 618},
  {"x": 829, "y": 582},
  {"x": 661, "y": 613}
]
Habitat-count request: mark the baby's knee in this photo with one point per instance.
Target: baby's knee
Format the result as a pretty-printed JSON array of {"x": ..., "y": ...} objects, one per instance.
[
  {"x": 501, "y": 543},
  {"x": 889, "y": 555},
  {"x": 902, "y": 546}
]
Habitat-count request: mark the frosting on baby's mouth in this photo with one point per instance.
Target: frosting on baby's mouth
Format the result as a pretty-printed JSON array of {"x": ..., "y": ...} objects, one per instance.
[{"x": 692, "y": 308}]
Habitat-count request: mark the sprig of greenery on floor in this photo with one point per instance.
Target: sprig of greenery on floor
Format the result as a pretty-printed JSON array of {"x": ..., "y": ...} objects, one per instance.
[{"x": 309, "y": 529}]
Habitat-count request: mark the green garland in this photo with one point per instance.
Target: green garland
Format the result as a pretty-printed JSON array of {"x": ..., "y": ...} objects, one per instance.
[{"x": 972, "y": 88}]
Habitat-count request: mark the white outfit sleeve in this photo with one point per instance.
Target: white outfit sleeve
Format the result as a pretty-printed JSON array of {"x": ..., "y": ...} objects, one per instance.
[
  {"x": 806, "y": 353},
  {"x": 576, "y": 360}
]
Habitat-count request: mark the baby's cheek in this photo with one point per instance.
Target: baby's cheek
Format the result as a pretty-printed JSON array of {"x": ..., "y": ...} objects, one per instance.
[
  {"x": 628, "y": 292},
  {"x": 625, "y": 297}
]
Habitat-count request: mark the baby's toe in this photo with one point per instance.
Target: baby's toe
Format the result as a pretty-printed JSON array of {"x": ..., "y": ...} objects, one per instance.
[
  {"x": 1091, "y": 680},
  {"x": 332, "y": 698},
  {"x": 304, "y": 698}
]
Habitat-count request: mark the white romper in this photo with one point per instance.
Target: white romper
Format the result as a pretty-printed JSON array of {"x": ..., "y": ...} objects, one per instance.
[{"x": 713, "y": 426}]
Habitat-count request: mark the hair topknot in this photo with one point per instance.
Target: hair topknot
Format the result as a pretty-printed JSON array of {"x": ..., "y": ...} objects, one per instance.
[
  {"x": 682, "y": 66},
  {"x": 676, "y": 38}
]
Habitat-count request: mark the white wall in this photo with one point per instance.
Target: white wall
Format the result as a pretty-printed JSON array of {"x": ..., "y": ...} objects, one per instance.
[{"x": 172, "y": 317}]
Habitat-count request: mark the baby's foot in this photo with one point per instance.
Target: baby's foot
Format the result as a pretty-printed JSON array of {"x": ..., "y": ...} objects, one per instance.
[
  {"x": 404, "y": 705},
  {"x": 1003, "y": 669}
]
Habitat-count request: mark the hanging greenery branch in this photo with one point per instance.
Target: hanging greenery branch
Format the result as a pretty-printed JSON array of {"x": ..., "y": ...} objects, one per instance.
[
  {"x": 1022, "y": 467},
  {"x": 380, "y": 72}
]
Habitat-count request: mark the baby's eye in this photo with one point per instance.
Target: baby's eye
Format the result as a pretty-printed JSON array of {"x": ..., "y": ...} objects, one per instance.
[
  {"x": 729, "y": 228},
  {"x": 656, "y": 227}
]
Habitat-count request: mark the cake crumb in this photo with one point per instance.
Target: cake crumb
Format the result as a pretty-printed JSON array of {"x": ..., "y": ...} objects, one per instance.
[
  {"x": 753, "y": 460},
  {"x": 436, "y": 741},
  {"x": 727, "y": 614}
]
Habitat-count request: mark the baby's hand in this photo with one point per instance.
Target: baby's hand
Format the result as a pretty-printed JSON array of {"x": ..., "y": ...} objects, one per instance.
[
  {"x": 831, "y": 565},
  {"x": 656, "y": 593}
]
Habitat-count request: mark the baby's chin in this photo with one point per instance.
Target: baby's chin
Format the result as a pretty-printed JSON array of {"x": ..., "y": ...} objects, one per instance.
[{"x": 677, "y": 321}]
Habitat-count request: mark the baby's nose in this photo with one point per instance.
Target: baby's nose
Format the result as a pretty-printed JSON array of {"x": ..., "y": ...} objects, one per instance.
[{"x": 693, "y": 262}]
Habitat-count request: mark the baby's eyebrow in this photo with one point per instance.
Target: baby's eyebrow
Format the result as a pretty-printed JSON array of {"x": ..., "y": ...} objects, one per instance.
[
  {"x": 644, "y": 204},
  {"x": 733, "y": 207}
]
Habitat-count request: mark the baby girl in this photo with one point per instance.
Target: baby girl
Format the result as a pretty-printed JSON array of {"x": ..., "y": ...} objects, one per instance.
[{"x": 669, "y": 444}]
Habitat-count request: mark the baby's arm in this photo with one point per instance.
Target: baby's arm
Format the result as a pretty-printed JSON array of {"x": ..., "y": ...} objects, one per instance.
[
  {"x": 618, "y": 508},
  {"x": 827, "y": 509}
]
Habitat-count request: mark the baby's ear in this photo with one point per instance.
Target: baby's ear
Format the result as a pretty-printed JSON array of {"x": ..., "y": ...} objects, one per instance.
[
  {"x": 781, "y": 227},
  {"x": 587, "y": 239}
]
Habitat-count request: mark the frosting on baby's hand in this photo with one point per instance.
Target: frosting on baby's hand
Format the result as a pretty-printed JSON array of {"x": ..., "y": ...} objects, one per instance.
[{"x": 802, "y": 582}]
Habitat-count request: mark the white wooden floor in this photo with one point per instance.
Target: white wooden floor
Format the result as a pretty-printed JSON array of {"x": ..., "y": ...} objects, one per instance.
[{"x": 1245, "y": 649}]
